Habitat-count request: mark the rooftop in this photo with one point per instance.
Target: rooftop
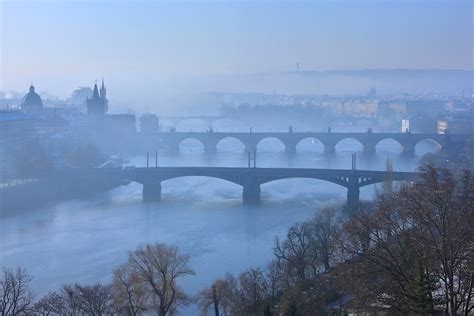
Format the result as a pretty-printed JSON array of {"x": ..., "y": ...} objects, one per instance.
[{"x": 14, "y": 116}]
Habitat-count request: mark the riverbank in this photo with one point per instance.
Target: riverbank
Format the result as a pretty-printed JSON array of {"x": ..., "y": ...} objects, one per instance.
[{"x": 50, "y": 190}]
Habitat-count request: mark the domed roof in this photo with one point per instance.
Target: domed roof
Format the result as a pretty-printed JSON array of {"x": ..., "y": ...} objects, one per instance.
[{"x": 31, "y": 98}]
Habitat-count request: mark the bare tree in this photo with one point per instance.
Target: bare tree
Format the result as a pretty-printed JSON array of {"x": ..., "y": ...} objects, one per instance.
[
  {"x": 219, "y": 297},
  {"x": 324, "y": 234},
  {"x": 419, "y": 246},
  {"x": 71, "y": 300},
  {"x": 95, "y": 300},
  {"x": 276, "y": 283},
  {"x": 86, "y": 299},
  {"x": 253, "y": 292},
  {"x": 15, "y": 295},
  {"x": 51, "y": 304},
  {"x": 384, "y": 266},
  {"x": 296, "y": 254},
  {"x": 387, "y": 187},
  {"x": 443, "y": 208},
  {"x": 302, "y": 299},
  {"x": 160, "y": 266},
  {"x": 130, "y": 293}
]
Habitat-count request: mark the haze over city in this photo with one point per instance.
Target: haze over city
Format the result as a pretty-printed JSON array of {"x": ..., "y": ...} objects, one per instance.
[
  {"x": 236, "y": 157},
  {"x": 144, "y": 47}
]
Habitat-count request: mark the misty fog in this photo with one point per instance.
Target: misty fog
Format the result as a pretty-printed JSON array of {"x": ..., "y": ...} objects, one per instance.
[{"x": 236, "y": 158}]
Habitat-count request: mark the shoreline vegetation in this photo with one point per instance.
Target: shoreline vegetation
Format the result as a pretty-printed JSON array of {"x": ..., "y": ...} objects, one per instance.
[
  {"x": 34, "y": 175},
  {"x": 410, "y": 251},
  {"x": 45, "y": 191}
]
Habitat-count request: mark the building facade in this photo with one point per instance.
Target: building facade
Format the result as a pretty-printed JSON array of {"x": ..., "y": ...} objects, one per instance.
[
  {"x": 149, "y": 124},
  {"x": 15, "y": 125},
  {"x": 120, "y": 124}
]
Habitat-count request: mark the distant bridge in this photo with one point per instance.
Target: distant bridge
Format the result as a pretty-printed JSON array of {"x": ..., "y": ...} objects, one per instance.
[
  {"x": 369, "y": 140},
  {"x": 208, "y": 120},
  {"x": 249, "y": 178}
]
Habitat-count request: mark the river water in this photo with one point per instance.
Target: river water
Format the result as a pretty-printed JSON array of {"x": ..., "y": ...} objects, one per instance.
[{"x": 84, "y": 240}]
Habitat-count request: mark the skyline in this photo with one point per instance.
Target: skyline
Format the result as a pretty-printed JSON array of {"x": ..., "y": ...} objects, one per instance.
[{"x": 175, "y": 47}]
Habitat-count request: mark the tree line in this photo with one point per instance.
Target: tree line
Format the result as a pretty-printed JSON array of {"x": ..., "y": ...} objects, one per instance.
[
  {"x": 145, "y": 283},
  {"x": 408, "y": 252}
]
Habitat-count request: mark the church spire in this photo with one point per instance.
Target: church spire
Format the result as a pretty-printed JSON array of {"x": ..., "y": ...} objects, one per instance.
[
  {"x": 103, "y": 91},
  {"x": 98, "y": 105},
  {"x": 95, "y": 95}
]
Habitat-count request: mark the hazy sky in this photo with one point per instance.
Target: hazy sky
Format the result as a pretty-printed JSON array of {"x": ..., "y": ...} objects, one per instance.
[{"x": 64, "y": 44}]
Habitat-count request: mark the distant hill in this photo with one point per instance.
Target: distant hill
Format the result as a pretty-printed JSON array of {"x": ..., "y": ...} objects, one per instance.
[
  {"x": 388, "y": 72},
  {"x": 338, "y": 82}
]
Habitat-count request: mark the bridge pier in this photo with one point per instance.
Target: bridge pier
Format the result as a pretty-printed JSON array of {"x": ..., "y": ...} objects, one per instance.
[
  {"x": 353, "y": 193},
  {"x": 249, "y": 178},
  {"x": 369, "y": 150},
  {"x": 152, "y": 192},
  {"x": 290, "y": 148},
  {"x": 250, "y": 148},
  {"x": 251, "y": 193},
  {"x": 330, "y": 149},
  {"x": 408, "y": 151},
  {"x": 210, "y": 148}
]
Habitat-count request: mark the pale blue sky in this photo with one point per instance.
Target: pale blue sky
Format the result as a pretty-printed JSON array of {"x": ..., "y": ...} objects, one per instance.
[{"x": 64, "y": 44}]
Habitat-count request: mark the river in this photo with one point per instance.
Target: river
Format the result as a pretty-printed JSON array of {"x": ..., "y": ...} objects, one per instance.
[{"x": 84, "y": 240}]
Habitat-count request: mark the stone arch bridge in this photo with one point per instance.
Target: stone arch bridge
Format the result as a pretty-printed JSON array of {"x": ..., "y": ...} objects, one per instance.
[
  {"x": 249, "y": 178},
  {"x": 171, "y": 140}
]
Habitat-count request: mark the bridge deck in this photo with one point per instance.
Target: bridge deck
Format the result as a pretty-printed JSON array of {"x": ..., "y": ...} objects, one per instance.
[
  {"x": 264, "y": 175},
  {"x": 270, "y": 170},
  {"x": 249, "y": 178},
  {"x": 210, "y": 140}
]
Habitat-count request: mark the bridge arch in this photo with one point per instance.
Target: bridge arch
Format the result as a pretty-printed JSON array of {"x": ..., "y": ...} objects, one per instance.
[
  {"x": 230, "y": 143},
  {"x": 303, "y": 188},
  {"x": 152, "y": 191},
  {"x": 271, "y": 144},
  {"x": 389, "y": 145},
  {"x": 310, "y": 144},
  {"x": 251, "y": 179},
  {"x": 350, "y": 143},
  {"x": 198, "y": 177},
  {"x": 272, "y": 180},
  {"x": 426, "y": 145},
  {"x": 191, "y": 144}
]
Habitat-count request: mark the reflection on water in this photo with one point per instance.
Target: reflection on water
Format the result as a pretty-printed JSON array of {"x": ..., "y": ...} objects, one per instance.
[{"x": 84, "y": 240}]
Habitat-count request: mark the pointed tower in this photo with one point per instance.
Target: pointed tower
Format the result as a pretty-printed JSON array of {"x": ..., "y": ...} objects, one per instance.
[
  {"x": 103, "y": 96},
  {"x": 95, "y": 94},
  {"x": 103, "y": 91},
  {"x": 97, "y": 105}
]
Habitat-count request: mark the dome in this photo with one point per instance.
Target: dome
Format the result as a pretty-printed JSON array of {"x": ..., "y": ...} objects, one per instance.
[{"x": 32, "y": 102}]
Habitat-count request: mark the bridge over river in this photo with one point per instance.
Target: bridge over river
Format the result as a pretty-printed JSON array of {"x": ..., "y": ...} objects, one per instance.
[
  {"x": 369, "y": 140},
  {"x": 249, "y": 178}
]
